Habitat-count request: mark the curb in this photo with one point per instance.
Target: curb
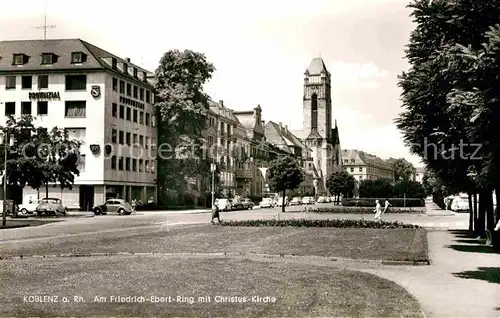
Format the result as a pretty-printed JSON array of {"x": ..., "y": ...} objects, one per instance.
[{"x": 223, "y": 254}]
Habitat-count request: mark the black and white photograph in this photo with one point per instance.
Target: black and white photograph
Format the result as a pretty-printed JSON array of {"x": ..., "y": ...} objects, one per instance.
[{"x": 319, "y": 158}]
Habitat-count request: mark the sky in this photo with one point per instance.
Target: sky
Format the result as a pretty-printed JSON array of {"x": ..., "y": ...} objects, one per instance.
[{"x": 260, "y": 50}]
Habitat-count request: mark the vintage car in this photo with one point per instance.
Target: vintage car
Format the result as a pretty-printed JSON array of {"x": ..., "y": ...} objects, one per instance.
[
  {"x": 308, "y": 200},
  {"x": 267, "y": 203},
  {"x": 119, "y": 206},
  {"x": 296, "y": 201},
  {"x": 28, "y": 208},
  {"x": 247, "y": 204},
  {"x": 51, "y": 206}
]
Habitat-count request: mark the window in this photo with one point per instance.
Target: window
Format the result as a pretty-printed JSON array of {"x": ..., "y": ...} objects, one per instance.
[
  {"x": 10, "y": 108},
  {"x": 134, "y": 164},
  {"x": 78, "y": 57},
  {"x": 134, "y": 139},
  {"x": 147, "y": 119},
  {"x": 127, "y": 138},
  {"x": 152, "y": 166},
  {"x": 115, "y": 84},
  {"x": 141, "y": 165},
  {"x": 81, "y": 163},
  {"x": 114, "y": 134},
  {"x": 49, "y": 58},
  {"x": 360, "y": 169},
  {"x": 43, "y": 81},
  {"x": 129, "y": 113},
  {"x": 352, "y": 169},
  {"x": 26, "y": 82},
  {"x": 135, "y": 72},
  {"x": 113, "y": 162},
  {"x": 114, "y": 110},
  {"x": 129, "y": 89},
  {"x": 141, "y": 140},
  {"x": 153, "y": 121},
  {"x": 314, "y": 111},
  {"x": 141, "y": 118},
  {"x": 76, "y": 82},
  {"x": 76, "y": 109},
  {"x": 120, "y": 137},
  {"x": 10, "y": 82},
  {"x": 135, "y": 92},
  {"x": 135, "y": 115},
  {"x": 127, "y": 164},
  {"x": 125, "y": 68},
  {"x": 148, "y": 99},
  {"x": 122, "y": 112},
  {"x": 120, "y": 163},
  {"x": 147, "y": 142},
  {"x": 113, "y": 63},
  {"x": 19, "y": 59},
  {"x": 42, "y": 108},
  {"x": 141, "y": 93},
  {"x": 122, "y": 87},
  {"x": 146, "y": 166}
]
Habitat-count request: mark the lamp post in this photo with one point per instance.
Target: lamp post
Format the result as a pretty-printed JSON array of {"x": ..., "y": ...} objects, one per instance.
[
  {"x": 212, "y": 169},
  {"x": 6, "y": 144}
]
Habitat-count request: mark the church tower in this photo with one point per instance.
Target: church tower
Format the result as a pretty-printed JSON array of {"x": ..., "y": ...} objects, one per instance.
[{"x": 317, "y": 124}]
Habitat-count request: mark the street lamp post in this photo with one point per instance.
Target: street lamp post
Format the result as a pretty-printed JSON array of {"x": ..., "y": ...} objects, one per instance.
[
  {"x": 4, "y": 214},
  {"x": 212, "y": 169}
]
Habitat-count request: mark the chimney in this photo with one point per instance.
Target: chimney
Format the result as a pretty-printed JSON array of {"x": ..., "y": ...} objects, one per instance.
[
  {"x": 281, "y": 125},
  {"x": 127, "y": 59},
  {"x": 286, "y": 128},
  {"x": 221, "y": 102}
]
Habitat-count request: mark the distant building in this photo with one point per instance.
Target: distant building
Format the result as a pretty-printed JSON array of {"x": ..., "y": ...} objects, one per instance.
[
  {"x": 365, "y": 166},
  {"x": 419, "y": 174}
]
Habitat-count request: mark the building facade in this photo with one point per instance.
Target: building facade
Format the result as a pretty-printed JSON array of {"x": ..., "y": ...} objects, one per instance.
[
  {"x": 104, "y": 101},
  {"x": 419, "y": 174},
  {"x": 365, "y": 166}
]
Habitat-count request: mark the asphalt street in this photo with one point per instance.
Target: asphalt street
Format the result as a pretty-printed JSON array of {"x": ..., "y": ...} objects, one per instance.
[{"x": 88, "y": 224}]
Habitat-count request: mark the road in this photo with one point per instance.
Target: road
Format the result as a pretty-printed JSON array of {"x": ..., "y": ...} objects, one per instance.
[{"x": 150, "y": 221}]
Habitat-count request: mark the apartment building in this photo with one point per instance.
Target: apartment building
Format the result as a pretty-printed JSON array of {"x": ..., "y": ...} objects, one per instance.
[
  {"x": 419, "y": 174},
  {"x": 103, "y": 100},
  {"x": 365, "y": 166}
]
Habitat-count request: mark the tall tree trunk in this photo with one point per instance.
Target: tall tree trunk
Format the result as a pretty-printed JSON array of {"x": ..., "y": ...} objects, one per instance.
[
  {"x": 481, "y": 218},
  {"x": 471, "y": 214},
  {"x": 283, "y": 201},
  {"x": 46, "y": 190},
  {"x": 474, "y": 209},
  {"x": 490, "y": 225},
  {"x": 497, "y": 197}
]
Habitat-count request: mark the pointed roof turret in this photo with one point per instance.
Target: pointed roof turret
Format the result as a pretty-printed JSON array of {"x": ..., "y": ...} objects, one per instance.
[{"x": 317, "y": 67}]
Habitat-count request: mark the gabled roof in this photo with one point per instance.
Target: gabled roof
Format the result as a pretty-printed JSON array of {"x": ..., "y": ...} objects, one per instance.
[
  {"x": 366, "y": 158},
  {"x": 285, "y": 139},
  {"x": 317, "y": 67},
  {"x": 220, "y": 110}
]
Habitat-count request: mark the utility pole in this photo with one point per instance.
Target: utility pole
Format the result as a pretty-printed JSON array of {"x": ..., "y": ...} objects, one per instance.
[
  {"x": 212, "y": 169},
  {"x": 5, "y": 149},
  {"x": 45, "y": 26}
]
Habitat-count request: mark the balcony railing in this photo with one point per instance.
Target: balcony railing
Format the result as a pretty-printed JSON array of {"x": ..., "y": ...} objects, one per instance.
[{"x": 244, "y": 174}]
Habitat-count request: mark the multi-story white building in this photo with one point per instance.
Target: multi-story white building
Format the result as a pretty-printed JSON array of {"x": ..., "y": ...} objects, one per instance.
[
  {"x": 99, "y": 98},
  {"x": 365, "y": 166}
]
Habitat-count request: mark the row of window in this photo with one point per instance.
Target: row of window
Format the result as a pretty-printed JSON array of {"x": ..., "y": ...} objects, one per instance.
[
  {"x": 132, "y": 90},
  {"x": 131, "y": 164},
  {"x": 48, "y": 58},
  {"x": 223, "y": 127},
  {"x": 72, "y": 82},
  {"x": 72, "y": 108},
  {"x": 135, "y": 115},
  {"x": 125, "y": 138}
]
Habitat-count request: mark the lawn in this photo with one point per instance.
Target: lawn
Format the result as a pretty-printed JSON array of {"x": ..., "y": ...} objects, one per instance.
[
  {"x": 298, "y": 290},
  {"x": 357, "y": 243},
  {"x": 17, "y": 223}
]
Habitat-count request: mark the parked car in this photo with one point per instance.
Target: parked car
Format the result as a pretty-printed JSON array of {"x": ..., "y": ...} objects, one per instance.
[
  {"x": 267, "y": 203},
  {"x": 247, "y": 204},
  {"x": 280, "y": 201},
  {"x": 119, "y": 206},
  {"x": 460, "y": 204},
  {"x": 51, "y": 206},
  {"x": 236, "y": 204},
  {"x": 224, "y": 204},
  {"x": 323, "y": 200},
  {"x": 308, "y": 200},
  {"x": 27, "y": 209},
  {"x": 11, "y": 208},
  {"x": 296, "y": 201}
]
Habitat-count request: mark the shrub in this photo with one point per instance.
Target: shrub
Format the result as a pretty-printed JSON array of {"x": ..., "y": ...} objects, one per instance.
[
  {"x": 375, "y": 188},
  {"x": 395, "y": 202},
  {"x": 323, "y": 223},
  {"x": 362, "y": 210}
]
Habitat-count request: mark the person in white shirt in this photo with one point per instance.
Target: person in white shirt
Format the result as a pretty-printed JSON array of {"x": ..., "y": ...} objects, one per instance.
[
  {"x": 378, "y": 210},
  {"x": 386, "y": 205}
]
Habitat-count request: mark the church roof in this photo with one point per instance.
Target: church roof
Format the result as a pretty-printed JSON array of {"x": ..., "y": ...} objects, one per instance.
[{"x": 317, "y": 66}]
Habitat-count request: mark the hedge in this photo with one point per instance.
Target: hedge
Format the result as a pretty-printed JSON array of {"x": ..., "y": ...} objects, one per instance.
[
  {"x": 395, "y": 202},
  {"x": 364, "y": 210},
  {"x": 369, "y": 224}
]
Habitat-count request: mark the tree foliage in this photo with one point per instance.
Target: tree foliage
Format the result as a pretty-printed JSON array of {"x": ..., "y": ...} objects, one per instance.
[
  {"x": 403, "y": 170},
  {"x": 409, "y": 189},
  {"x": 182, "y": 108},
  {"x": 285, "y": 173},
  {"x": 378, "y": 188},
  {"x": 341, "y": 182}
]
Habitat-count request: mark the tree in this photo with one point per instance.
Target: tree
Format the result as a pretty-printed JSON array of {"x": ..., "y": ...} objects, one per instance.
[
  {"x": 341, "y": 182},
  {"x": 409, "y": 189},
  {"x": 403, "y": 170},
  {"x": 379, "y": 188},
  {"x": 441, "y": 95},
  {"x": 285, "y": 173},
  {"x": 182, "y": 108}
]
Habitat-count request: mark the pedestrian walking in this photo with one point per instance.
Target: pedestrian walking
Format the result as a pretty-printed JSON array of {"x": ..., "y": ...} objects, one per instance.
[
  {"x": 378, "y": 210},
  {"x": 386, "y": 205},
  {"x": 215, "y": 212}
]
